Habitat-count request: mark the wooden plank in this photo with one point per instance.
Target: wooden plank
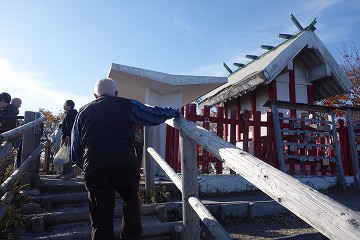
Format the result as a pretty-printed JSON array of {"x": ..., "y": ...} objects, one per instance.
[
  {"x": 278, "y": 137},
  {"x": 299, "y": 106},
  {"x": 148, "y": 162},
  {"x": 16, "y": 132},
  {"x": 353, "y": 148},
  {"x": 28, "y": 147},
  {"x": 5, "y": 203},
  {"x": 166, "y": 167},
  {"x": 23, "y": 168},
  {"x": 4, "y": 150},
  {"x": 337, "y": 152},
  {"x": 329, "y": 217},
  {"x": 211, "y": 223},
  {"x": 189, "y": 175}
]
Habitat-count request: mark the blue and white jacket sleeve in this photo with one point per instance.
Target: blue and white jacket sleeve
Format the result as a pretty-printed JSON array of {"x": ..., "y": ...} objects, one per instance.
[
  {"x": 76, "y": 153},
  {"x": 147, "y": 115}
]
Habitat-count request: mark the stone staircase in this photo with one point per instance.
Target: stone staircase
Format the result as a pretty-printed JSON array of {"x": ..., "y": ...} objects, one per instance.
[{"x": 65, "y": 214}]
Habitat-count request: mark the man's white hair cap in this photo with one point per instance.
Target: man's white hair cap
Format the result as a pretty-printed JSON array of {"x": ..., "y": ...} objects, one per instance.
[{"x": 105, "y": 86}]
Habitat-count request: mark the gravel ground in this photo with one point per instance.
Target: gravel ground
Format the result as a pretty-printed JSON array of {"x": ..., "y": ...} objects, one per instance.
[
  {"x": 270, "y": 227},
  {"x": 284, "y": 225}
]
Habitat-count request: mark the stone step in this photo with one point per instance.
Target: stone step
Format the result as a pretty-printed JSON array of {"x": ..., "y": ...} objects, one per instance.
[{"x": 151, "y": 229}]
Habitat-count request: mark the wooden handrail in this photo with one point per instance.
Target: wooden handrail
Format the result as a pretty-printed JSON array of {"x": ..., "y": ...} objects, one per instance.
[
  {"x": 20, "y": 130},
  {"x": 212, "y": 224},
  {"x": 4, "y": 150},
  {"x": 4, "y": 205},
  {"x": 18, "y": 172},
  {"x": 329, "y": 217}
]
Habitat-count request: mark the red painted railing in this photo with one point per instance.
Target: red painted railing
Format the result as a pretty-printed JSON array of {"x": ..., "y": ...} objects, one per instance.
[{"x": 245, "y": 128}]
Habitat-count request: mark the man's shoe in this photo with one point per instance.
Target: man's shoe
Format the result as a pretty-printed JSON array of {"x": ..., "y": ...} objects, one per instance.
[{"x": 59, "y": 176}]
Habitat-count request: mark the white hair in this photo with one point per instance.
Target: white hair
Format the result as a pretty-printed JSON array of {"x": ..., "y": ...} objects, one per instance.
[{"x": 105, "y": 86}]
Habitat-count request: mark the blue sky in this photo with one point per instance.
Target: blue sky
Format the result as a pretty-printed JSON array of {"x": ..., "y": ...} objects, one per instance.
[{"x": 54, "y": 50}]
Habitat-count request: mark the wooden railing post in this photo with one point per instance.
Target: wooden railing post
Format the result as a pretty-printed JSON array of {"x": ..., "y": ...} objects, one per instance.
[
  {"x": 47, "y": 157},
  {"x": 329, "y": 217},
  {"x": 340, "y": 169},
  {"x": 148, "y": 162},
  {"x": 189, "y": 175},
  {"x": 35, "y": 165},
  {"x": 27, "y": 148},
  {"x": 278, "y": 138},
  {"x": 353, "y": 149}
]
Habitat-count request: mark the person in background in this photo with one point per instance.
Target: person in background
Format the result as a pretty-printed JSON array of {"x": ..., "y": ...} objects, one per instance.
[
  {"x": 17, "y": 102},
  {"x": 8, "y": 112},
  {"x": 18, "y": 144},
  {"x": 56, "y": 144},
  {"x": 67, "y": 124},
  {"x": 102, "y": 145}
]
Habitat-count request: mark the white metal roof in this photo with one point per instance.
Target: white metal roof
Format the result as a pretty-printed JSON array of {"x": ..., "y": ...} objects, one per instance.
[{"x": 132, "y": 82}]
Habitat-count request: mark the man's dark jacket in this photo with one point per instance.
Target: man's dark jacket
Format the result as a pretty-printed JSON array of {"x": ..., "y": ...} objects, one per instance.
[
  {"x": 68, "y": 122},
  {"x": 11, "y": 111},
  {"x": 106, "y": 133}
]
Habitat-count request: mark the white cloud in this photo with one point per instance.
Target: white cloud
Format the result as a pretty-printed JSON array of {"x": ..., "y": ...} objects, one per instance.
[
  {"x": 33, "y": 90},
  {"x": 183, "y": 24}
]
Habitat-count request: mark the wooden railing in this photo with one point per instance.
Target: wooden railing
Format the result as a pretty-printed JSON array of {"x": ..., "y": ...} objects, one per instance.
[
  {"x": 302, "y": 150},
  {"x": 30, "y": 133},
  {"x": 332, "y": 219}
]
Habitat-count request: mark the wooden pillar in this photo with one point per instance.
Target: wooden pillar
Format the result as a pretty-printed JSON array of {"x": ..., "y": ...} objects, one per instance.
[
  {"x": 353, "y": 148},
  {"x": 292, "y": 92},
  {"x": 148, "y": 162},
  {"x": 272, "y": 90},
  {"x": 189, "y": 176},
  {"x": 238, "y": 112},
  {"x": 310, "y": 94},
  {"x": 35, "y": 165},
  {"x": 27, "y": 148},
  {"x": 340, "y": 169},
  {"x": 226, "y": 133},
  {"x": 278, "y": 137},
  {"x": 47, "y": 156}
]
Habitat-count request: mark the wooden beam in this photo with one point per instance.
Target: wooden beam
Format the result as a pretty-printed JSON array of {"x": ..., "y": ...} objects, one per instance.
[
  {"x": 148, "y": 162},
  {"x": 353, "y": 149},
  {"x": 191, "y": 222},
  {"x": 211, "y": 223},
  {"x": 16, "y": 132},
  {"x": 339, "y": 165},
  {"x": 296, "y": 22},
  {"x": 329, "y": 217}
]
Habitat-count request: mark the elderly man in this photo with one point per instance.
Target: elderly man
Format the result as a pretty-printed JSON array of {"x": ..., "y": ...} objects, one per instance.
[
  {"x": 17, "y": 102},
  {"x": 102, "y": 145},
  {"x": 8, "y": 113}
]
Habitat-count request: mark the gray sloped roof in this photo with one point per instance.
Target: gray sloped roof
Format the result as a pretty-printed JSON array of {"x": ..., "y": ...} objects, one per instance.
[{"x": 327, "y": 76}]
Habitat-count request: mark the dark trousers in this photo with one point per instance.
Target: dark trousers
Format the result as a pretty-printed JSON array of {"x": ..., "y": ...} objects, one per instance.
[{"x": 101, "y": 186}]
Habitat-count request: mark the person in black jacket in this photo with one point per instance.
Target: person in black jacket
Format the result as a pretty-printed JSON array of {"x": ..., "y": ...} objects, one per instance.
[
  {"x": 8, "y": 113},
  {"x": 67, "y": 124},
  {"x": 102, "y": 144}
]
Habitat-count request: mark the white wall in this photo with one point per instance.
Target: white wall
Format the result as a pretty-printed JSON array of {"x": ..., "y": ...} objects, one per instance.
[{"x": 158, "y": 137}]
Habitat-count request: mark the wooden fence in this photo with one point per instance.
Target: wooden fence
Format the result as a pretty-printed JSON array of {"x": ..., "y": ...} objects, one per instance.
[
  {"x": 30, "y": 133},
  {"x": 332, "y": 219},
  {"x": 304, "y": 150}
]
